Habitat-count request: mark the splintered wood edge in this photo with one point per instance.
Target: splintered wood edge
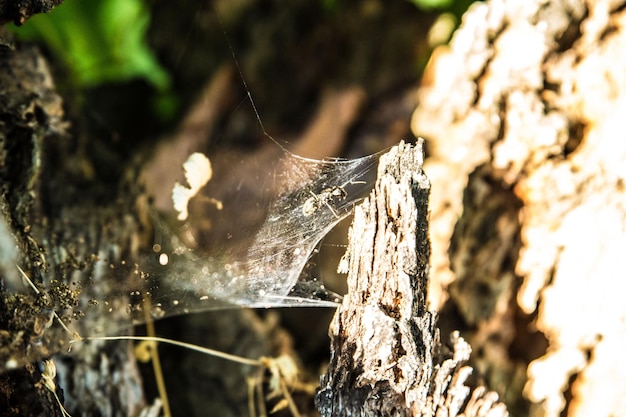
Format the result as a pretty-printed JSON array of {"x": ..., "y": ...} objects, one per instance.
[{"x": 385, "y": 347}]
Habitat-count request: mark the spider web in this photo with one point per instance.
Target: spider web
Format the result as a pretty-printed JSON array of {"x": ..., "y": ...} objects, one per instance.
[
  {"x": 253, "y": 251},
  {"x": 276, "y": 208}
]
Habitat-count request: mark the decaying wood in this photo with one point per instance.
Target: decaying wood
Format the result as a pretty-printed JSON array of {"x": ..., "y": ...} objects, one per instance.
[
  {"x": 387, "y": 359},
  {"x": 20, "y": 11},
  {"x": 51, "y": 240},
  {"x": 524, "y": 117}
]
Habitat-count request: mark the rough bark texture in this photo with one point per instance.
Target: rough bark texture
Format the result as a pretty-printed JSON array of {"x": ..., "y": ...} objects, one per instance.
[
  {"x": 524, "y": 117},
  {"x": 387, "y": 358},
  {"x": 50, "y": 240},
  {"x": 19, "y": 11}
]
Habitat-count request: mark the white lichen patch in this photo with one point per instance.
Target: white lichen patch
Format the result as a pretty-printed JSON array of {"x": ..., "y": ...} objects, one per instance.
[{"x": 198, "y": 172}]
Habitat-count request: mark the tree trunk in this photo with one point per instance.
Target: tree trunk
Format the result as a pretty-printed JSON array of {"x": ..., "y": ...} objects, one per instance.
[
  {"x": 523, "y": 116},
  {"x": 51, "y": 240}
]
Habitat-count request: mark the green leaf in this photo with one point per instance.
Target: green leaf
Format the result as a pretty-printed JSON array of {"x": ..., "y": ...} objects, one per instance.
[{"x": 99, "y": 41}]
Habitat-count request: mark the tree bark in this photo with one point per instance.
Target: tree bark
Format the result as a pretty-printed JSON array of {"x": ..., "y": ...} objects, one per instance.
[
  {"x": 19, "y": 12},
  {"x": 387, "y": 359},
  {"x": 51, "y": 240},
  {"x": 523, "y": 116}
]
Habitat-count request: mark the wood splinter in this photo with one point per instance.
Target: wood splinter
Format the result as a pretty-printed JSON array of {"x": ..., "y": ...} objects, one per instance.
[{"x": 386, "y": 354}]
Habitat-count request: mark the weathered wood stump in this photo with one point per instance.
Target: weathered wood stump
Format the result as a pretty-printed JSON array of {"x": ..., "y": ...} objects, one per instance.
[{"x": 387, "y": 359}]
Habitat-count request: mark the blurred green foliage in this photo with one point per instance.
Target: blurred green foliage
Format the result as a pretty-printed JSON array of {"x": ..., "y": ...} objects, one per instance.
[
  {"x": 433, "y": 4},
  {"x": 455, "y": 7},
  {"x": 99, "y": 41}
]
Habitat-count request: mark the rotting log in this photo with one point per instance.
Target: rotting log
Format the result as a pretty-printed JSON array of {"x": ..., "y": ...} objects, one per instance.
[
  {"x": 51, "y": 240},
  {"x": 386, "y": 354}
]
